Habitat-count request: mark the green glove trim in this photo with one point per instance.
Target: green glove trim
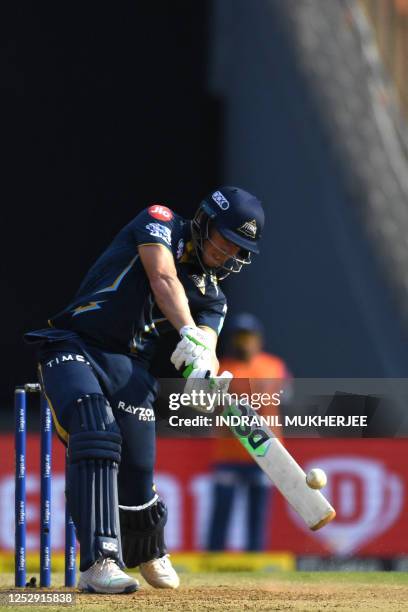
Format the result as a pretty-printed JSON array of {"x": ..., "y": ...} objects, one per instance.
[
  {"x": 190, "y": 367},
  {"x": 188, "y": 370},
  {"x": 195, "y": 341}
]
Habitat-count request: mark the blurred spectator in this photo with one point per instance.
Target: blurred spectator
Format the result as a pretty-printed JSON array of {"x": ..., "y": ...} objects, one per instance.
[{"x": 257, "y": 372}]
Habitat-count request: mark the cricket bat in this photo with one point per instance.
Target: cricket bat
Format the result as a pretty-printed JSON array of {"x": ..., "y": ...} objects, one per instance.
[
  {"x": 281, "y": 468},
  {"x": 277, "y": 463}
]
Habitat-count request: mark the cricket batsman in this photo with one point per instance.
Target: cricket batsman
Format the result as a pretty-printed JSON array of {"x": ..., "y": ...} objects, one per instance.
[{"x": 160, "y": 272}]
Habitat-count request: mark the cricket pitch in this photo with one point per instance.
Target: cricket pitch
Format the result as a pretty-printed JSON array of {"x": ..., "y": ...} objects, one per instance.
[{"x": 300, "y": 591}]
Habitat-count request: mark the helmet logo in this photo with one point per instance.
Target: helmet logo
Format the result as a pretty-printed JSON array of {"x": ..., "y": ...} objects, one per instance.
[
  {"x": 160, "y": 212},
  {"x": 220, "y": 200},
  {"x": 248, "y": 228}
]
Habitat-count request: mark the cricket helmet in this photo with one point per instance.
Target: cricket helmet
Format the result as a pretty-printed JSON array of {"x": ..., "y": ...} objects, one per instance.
[{"x": 238, "y": 216}]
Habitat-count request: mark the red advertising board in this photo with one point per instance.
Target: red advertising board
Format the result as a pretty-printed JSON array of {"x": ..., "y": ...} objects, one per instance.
[{"x": 367, "y": 484}]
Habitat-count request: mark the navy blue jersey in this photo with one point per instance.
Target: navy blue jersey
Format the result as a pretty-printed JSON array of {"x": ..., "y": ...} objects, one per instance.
[{"x": 114, "y": 307}]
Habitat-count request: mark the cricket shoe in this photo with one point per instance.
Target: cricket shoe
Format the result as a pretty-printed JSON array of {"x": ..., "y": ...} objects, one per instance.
[
  {"x": 160, "y": 573},
  {"x": 105, "y": 576}
]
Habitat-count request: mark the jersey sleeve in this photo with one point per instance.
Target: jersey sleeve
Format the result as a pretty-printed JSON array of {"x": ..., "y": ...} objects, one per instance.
[
  {"x": 156, "y": 225},
  {"x": 213, "y": 315}
]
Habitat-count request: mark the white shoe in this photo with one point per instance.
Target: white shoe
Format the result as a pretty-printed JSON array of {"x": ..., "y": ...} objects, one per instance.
[
  {"x": 160, "y": 573},
  {"x": 105, "y": 576}
]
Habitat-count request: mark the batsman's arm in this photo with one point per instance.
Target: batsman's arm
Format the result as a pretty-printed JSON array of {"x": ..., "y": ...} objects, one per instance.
[{"x": 167, "y": 289}]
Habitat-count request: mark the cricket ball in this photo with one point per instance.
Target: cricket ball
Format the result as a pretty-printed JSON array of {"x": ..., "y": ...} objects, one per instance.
[{"x": 316, "y": 479}]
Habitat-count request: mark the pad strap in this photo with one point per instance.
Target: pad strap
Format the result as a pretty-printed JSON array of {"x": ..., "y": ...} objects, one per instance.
[{"x": 143, "y": 533}]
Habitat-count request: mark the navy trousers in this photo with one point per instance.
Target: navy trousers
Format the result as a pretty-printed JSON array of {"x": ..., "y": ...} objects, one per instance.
[{"x": 71, "y": 368}]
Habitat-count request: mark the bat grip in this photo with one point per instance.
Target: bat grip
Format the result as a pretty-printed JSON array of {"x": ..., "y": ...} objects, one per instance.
[{"x": 190, "y": 368}]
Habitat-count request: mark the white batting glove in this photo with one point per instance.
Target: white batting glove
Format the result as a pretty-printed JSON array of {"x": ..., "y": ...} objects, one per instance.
[{"x": 192, "y": 346}]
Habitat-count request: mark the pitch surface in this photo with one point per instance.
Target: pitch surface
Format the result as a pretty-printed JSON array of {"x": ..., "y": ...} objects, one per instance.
[{"x": 300, "y": 591}]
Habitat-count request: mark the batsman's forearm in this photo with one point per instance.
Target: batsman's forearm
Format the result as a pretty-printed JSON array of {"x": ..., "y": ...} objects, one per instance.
[{"x": 170, "y": 297}]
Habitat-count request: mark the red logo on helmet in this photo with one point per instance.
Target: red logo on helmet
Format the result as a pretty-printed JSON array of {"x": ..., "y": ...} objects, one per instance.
[{"x": 158, "y": 211}]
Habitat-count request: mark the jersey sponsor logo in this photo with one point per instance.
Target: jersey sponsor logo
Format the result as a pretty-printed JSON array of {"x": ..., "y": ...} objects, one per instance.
[
  {"x": 180, "y": 248},
  {"x": 160, "y": 231},
  {"x": 220, "y": 200},
  {"x": 64, "y": 358},
  {"x": 248, "y": 228},
  {"x": 160, "y": 212},
  {"x": 142, "y": 413}
]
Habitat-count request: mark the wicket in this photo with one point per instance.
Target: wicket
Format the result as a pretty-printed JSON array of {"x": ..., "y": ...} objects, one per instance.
[{"x": 20, "y": 403}]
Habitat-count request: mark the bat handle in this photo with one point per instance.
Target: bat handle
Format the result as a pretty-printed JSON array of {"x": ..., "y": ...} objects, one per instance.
[{"x": 188, "y": 370}]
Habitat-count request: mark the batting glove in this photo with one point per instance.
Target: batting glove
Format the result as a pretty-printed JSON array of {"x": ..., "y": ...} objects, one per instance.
[{"x": 192, "y": 347}]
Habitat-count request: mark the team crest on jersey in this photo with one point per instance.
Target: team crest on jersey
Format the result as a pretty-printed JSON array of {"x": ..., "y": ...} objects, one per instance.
[
  {"x": 248, "y": 228},
  {"x": 199, "y": 282},
  {"x": 160, "y": 212}
]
